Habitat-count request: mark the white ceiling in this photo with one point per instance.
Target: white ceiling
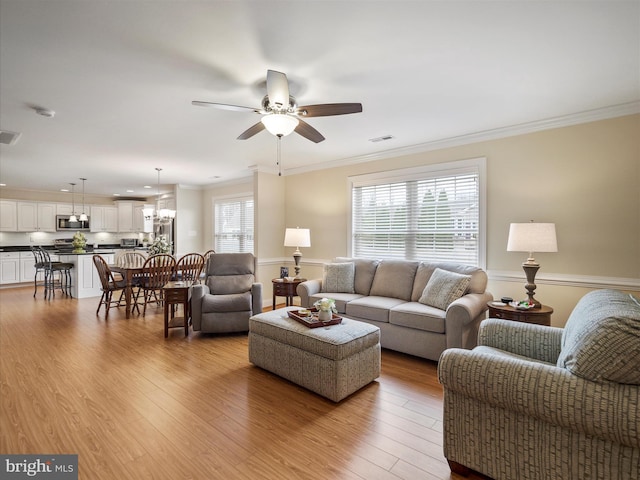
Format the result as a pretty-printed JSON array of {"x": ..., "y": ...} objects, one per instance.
[{"x": 121, "y": 75}]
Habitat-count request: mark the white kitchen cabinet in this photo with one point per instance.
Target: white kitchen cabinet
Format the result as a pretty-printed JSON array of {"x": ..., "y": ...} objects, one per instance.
[
  {"x": 27, "y": 268},
  {"x": 27, "y": 216},
  {"x": 104, "y": 218},
  {"x": 130, "y": 217},
  {"x": 138, "y": 218},
  {"x": 125, "y": 217},
  {"x": 9, "y": 267},
  {"x": 36, "y": 217},
  {"x": 46, "y": 217},
  {"x": 8, "y": 216},
  {"x": 168, "y": 203},
  {"x": 64, "y": 209}
]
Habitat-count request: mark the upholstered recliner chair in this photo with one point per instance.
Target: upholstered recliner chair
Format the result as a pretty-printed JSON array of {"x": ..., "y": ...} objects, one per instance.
[
  {"x": 542, "y": 403},
  {"x": 229, "y": 295}
]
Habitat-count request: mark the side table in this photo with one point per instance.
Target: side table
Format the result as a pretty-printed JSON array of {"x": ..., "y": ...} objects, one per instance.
[
  {"x": 285, "y": 288},
  {"x": 539, "y": 316},
  {"x": 176, "y": 293}
]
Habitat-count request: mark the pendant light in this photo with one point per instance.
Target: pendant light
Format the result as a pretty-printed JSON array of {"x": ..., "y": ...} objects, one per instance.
[
  {"x": 73, "y": 217},
  {"x": 83, "y": 216}
]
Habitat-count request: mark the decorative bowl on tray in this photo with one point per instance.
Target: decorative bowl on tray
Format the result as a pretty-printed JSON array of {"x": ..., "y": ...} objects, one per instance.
[{"x": 311, "y": 319}]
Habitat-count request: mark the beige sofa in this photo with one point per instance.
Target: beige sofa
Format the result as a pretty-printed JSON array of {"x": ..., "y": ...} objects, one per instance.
[
  {"x": 389, "y": 295},
  {"x": 540, "y": 403}
]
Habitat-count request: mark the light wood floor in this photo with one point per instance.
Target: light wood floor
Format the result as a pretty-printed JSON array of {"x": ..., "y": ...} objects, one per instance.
[{"x": 134, "y": 405}]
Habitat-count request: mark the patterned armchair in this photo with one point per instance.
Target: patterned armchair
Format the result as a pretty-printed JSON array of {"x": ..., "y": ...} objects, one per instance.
[{"x": 544, "y": 403}]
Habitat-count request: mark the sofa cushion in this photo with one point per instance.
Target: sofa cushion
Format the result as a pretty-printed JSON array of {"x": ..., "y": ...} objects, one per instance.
[
  {"x": 478, "y": 282},
  {"x": 365, "y": 269},
  {"x": 418, "y": 316},
  {"x": 394, "y": 278},
  {"x": 443, "y": 288},
  {"x": 601, "y": 340},
  {"x": 235, "y": 302},
  {"x": 338, "y": 277},
  {"x": 372, "y": 308}
]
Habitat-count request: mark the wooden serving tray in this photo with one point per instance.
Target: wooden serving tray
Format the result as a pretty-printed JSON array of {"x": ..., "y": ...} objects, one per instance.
[{"x": 312, "y": 320}]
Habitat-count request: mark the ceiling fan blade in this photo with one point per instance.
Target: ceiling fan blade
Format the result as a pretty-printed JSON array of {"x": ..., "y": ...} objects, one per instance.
[
  {"x": 328, "y": 109},
  {"x": 308, "y": 132},
  {"x": 277, "y": 89},
  {"x": 251, "y": 131},
  {"x": 224, "y": 106}
]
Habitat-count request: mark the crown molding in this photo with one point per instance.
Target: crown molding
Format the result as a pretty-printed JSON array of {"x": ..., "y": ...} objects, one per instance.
[{"x": 594, "y": 115}]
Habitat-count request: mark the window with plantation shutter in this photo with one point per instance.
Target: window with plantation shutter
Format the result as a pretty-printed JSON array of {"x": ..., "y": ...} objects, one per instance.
[
  {"x": 233, "y": 232},
  {"x": 431, "y": 213}
]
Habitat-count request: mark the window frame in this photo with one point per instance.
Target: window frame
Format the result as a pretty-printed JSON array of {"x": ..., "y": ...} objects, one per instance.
[
  {"x": 226, "y": 199},
  {"x": 475, "y": 165}
]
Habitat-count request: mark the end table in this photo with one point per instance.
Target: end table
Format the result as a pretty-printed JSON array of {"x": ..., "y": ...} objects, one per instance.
[
  {"x": 285, "y": 288},
  {"x": 539, "y": 316},
  {"x": 176, "y": 293}
]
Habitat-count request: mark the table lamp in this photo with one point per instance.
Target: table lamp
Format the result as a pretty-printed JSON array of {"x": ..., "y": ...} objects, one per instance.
[
  {"x": 297, "y": 237},
  {"x": 532, "y": 237}
]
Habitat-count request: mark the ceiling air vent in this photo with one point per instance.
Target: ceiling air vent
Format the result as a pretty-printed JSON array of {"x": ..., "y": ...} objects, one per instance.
[
  {"x": 381, "y": 139},
  {"x": 9, "y": 138}
]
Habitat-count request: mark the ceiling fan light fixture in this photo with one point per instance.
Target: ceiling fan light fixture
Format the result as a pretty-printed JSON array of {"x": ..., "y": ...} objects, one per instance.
[{"x": 280, "y": 124}]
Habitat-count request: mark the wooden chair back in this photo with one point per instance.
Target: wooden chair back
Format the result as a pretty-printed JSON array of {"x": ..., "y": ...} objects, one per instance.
[
  {"x": 206, "y": 256},
  {"x": 189, "y": 267},
  {"x": 131, "y": 259},
  {"x": 158, "y": 270},
  {"x": 104, "y": 272}
]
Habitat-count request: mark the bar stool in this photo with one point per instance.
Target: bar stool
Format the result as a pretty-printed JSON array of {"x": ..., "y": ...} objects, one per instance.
[
  {"x": 39, "y": 265},
  {"x": 63, "y": 271}
]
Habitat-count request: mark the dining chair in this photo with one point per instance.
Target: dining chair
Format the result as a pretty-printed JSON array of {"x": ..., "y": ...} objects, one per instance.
[
  {"x": 132, "y": 260},
  {"x": 156, "y": 272},
  {"x": 189, "y": 267},
  {"x": 109, "y": 285}
]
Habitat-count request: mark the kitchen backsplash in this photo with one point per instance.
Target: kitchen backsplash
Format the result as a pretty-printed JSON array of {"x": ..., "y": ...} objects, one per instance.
[{"x": 47, "y": 238}]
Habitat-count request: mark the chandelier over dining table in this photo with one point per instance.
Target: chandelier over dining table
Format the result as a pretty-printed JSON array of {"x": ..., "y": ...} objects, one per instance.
[{"x": 162, "y": 214}]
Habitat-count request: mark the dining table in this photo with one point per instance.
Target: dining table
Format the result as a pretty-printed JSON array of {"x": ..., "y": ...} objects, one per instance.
[{"x": 128, "y": 274}]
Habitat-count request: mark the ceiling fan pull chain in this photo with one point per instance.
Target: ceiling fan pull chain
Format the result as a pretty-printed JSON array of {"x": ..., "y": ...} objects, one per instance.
[{"x": 279, "y": 163}]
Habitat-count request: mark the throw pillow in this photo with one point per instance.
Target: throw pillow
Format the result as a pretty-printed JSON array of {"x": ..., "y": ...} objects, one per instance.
[
  {"x": 443, "y": 288},
  {"x": 338, "y": 277}
]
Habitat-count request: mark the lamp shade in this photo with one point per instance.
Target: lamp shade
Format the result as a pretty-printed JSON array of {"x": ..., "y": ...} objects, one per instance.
[
  {"x": 532, "y": 237},
  {"x": 280, "y": 124},
  {"x": 297, "y": 237}
]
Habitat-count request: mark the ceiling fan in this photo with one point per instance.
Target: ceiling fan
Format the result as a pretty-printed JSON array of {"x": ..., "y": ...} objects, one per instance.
[{"x": 281, "y": 114}]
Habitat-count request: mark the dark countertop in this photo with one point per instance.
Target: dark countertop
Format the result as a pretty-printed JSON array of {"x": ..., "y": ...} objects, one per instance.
[{"x": 103, "y": 248}]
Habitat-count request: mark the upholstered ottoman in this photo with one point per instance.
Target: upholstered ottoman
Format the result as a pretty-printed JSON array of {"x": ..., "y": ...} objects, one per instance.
[{"x": 332, "y": 361}]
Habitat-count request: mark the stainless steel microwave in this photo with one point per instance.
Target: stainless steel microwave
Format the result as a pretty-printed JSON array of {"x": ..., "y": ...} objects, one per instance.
[{"x": 64, "y": 225}]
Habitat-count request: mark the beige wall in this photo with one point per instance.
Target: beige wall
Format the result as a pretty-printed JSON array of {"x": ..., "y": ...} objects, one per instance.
[
  {"x": 584, "y": 178},
  {"x": 245, "y": 186},
  {"x": 189, "y": 231}
]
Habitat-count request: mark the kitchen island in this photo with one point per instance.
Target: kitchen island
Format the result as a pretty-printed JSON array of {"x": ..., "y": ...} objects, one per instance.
[{"x": 85, "y": 281}]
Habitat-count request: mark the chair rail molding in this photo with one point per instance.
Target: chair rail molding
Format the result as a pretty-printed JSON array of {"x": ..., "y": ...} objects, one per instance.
[{"x": 583, "y": 281}]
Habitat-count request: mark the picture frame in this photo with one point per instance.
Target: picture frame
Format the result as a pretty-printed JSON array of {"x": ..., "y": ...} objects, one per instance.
[{"x": 284, "y": 272}]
